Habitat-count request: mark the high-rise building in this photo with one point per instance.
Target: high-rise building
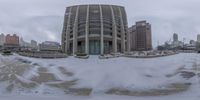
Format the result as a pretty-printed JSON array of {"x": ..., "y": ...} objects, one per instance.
[
  {"x": 198, "y": 38},
  {"x": 140, "y": 36},
  {"x": 176, "y": 43},
  {"x": 33, "y": 44},
  {"x": 95, "y": 29},
  {"x": 175, "y": 37},
  {"x": 2, "y": 39}
]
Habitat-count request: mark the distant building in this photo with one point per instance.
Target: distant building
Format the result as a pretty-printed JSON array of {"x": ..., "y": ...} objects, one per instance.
[
  {"x": 33, "y": 44},
  {"x": 140, "y": 36},
  {"x": 198, "y": 38},
  {"x": 21, "y": 42},
  {"x": 24, "y": 45},
  {"x": 28, "y": 45},
  {"x": 49, "y": 46},
  {"x": 11, "y": 42},
  {"x": 198, "y": 46},
  {"x": 192, "y": 42},
  {"x": 189, "y": 47},
  {"x": 175, "y": 37},
  {"x": 176, "y": 43},
  {"x": 2, "y": 39}
]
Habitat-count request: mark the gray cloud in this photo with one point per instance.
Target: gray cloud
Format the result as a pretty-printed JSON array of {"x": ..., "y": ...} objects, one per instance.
[{"x": 42, "y": 19}]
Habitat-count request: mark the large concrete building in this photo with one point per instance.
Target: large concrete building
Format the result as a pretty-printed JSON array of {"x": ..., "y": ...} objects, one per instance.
[
  {"x": 95, "y": 29},
  {"x": 140, "y": 36}
]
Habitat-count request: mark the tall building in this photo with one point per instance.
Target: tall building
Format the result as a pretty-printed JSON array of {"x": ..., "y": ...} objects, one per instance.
[
  {"x": 175, "y": 37},
  {"x": 176, "y": 43},
  {"x": 198, "y": 38},
  {"x": 33, "y": 44},
  {"x": 140, "y": 36},
  {"x": 2, "y": 39},
  {"x": 95, "y": 29}
]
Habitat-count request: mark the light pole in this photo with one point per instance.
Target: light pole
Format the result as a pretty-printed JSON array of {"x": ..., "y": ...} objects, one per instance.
[{"x": 184, "y": 44}]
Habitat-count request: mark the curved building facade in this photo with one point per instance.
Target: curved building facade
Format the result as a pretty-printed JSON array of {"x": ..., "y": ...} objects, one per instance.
[{"x": 95, "y": 29}]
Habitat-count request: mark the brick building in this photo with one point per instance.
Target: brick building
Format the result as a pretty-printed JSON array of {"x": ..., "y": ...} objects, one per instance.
[{"x": 11, "y": 42}]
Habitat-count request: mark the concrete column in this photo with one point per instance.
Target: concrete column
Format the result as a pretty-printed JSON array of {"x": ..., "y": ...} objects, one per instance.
[
  {"x": 102, "y": 34},
  {"x": 87, "y": 31},
  {"x": 128, "y": 36},
  {"x": 68, "y": 31},
  {"x": 64, "y": 34},
  {"x": 122, "y": 32},
  {"x": 63, "y": 45},
  {"x": 75, "y": 29},
  {"x": 114, "y": 31}
]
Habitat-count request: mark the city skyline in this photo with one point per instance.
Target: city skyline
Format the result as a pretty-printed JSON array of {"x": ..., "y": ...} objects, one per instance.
[{"x": 43, "y": 20}]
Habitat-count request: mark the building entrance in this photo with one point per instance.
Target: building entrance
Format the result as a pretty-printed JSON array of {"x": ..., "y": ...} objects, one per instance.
[{"x": 94, "y": 47}]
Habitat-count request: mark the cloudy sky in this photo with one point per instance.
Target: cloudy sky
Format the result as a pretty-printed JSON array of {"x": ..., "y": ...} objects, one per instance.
[{"x": 42, "y": 19}]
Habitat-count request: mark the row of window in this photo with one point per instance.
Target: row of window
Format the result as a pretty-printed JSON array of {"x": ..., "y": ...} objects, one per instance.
[
  {"x": 97, "y": 32},
  {"x": 94, "y": 30}
]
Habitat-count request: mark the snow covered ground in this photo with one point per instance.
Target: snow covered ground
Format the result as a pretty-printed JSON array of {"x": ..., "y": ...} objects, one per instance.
[{"x": 23, "y": 78}]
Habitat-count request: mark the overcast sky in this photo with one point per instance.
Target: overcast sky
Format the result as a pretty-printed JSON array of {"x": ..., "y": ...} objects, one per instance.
[{"x": 42, "y": 20}]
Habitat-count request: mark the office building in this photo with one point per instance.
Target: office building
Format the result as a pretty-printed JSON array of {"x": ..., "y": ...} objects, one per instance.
[
  {"x": 95, "y": 29},
  {"x": 140, "y": 36},
  {"x": 175, "y": 37}
]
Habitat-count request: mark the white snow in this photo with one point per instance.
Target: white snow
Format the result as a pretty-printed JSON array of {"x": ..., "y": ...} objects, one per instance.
[{"x": 104, "y": 74}]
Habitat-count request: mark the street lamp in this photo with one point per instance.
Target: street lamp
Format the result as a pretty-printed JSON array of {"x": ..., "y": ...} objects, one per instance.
[{"x": 184, "y": 39}]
